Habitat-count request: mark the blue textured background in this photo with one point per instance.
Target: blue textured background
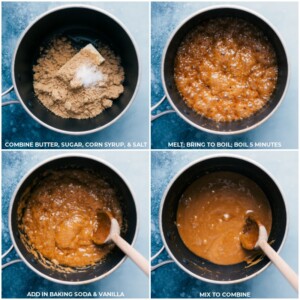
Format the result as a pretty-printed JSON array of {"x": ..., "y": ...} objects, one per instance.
[
  {"x": 170, "y": 281},
  {"x": 19, "y": 126},
  {"x": 18, "y": 279},
  {"x": 281, "y": 127}
]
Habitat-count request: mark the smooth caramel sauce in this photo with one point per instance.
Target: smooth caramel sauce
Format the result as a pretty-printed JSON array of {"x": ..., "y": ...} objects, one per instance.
[
  {"x": 58, "y": 216},
  {"x": 226, "y": 69},
  {"x": 211, "y": 215}
]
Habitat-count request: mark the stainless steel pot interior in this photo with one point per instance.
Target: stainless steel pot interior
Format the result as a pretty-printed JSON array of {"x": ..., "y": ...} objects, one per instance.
[
  {"x": 82, "y": 25},
  {"x": 202, "y": 122},
  {"x": 115, "y": 257},
  {"x": 197, "y": 266}
]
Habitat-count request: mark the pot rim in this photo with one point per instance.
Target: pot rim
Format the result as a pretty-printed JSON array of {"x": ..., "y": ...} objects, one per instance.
[
  {"x": 213, "y": 7},
  {"x": 48, "y": 12},
  {"x": 36, "y": 167},
  {"x": 240, "y": 157}
]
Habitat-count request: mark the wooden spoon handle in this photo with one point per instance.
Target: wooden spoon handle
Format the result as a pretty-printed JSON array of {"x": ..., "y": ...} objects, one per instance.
[
  {"x": 283, "y": 267},
  {"x": 137, "y": 258}
]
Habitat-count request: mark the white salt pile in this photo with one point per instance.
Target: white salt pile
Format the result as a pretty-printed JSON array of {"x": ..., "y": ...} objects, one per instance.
[{"x": 89, "y": 75}]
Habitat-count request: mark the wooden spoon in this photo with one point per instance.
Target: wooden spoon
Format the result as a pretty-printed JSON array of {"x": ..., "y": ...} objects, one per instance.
[
  {"x": 108, "y": 230},
  {"x": 255, "y": 236}
]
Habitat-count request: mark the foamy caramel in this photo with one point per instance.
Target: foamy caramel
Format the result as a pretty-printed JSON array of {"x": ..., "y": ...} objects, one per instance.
[
  {"x": 57, "y": 217},
  {"x": 226, "y": 69}
]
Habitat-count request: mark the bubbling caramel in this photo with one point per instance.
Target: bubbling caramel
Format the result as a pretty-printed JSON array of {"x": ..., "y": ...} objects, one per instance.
[
  {"x": 58, "y": 216},
  {"x": 211, "y": 215},
  {"x": 226, "y": 69}
]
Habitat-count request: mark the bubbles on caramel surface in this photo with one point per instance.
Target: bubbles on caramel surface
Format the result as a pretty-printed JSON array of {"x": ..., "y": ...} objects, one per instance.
[
  {"x": 226, "y": 69},
  {"x": 58, "y": 216}
]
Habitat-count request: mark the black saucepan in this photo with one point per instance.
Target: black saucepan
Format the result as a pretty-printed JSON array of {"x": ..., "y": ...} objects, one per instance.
[
  {"x": 175, "y": 98},
  {"x": 83, "y": 25},
  {"x": 115, "y": 258},
  {"x": 197, "y": 266}
]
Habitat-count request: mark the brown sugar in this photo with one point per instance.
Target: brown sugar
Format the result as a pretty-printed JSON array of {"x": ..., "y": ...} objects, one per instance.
[{"x": 74, "y": 85}]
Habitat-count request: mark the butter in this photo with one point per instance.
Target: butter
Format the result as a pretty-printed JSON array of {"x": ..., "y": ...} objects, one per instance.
[{"x": 88, "y": 56}]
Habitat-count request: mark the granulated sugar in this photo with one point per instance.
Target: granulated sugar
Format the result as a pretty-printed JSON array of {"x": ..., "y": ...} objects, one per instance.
[{"x": 77, "y": 84}]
